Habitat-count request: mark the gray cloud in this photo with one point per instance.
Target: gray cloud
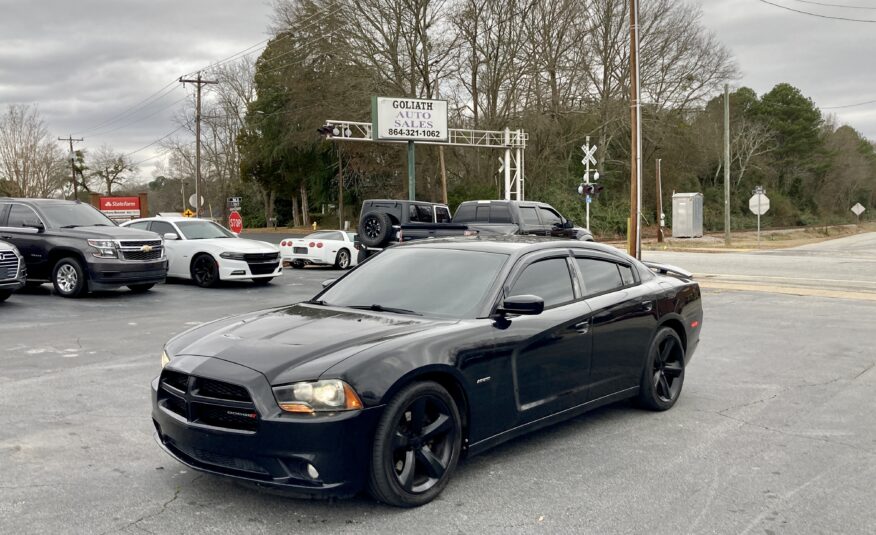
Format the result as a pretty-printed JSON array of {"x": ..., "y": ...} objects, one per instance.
[{"x": 828, "y": 60}]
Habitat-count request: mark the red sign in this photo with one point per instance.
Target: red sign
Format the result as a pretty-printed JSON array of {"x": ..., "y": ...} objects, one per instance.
[
  {"x": 120, "y": 207},
  {"x": 235, "y": 222}
]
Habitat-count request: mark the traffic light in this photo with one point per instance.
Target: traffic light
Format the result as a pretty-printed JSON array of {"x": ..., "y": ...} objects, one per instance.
[
  {"x": 328, "y": 130},
  {"x": 589, "y": 189}
]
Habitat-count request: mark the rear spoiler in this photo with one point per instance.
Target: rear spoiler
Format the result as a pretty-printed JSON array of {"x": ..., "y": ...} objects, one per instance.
[{"x": 666, "y": 269}]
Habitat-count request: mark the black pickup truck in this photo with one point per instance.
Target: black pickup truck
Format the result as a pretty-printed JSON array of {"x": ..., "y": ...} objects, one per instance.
[
  {"x": 384, "y": 222},
  {"x": 78, "y": 249}
]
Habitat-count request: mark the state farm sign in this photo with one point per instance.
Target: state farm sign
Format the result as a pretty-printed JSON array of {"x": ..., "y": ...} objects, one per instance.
[
  {"x": 120, "y": 207},
  {"x": 409, "y": 119}
]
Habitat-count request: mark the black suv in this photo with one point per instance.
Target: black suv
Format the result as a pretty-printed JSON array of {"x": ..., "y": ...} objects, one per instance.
[{"x": 78, "y": 249}]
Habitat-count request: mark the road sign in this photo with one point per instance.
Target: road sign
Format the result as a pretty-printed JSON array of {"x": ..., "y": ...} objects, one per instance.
[
  {"x": 235, "y": 222},
  {"x": 188, "y": 213},
  {"x": 589, "y": 151},
  {"x": 234, "y": 203},
  {"x": 759, "y": 204},
  {"x": 857, "y": 209},
  {"x": 193, "y": 199}
]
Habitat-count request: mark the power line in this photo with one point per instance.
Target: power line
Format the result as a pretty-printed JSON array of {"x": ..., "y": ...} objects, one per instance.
[
  {"x": 842, "y": 6},
  {"x": 815, "y": 14},
  {"x": 849, "y": 105},
  {"x": 125, "y": 125},
  {"x": 157, "y": 95}
]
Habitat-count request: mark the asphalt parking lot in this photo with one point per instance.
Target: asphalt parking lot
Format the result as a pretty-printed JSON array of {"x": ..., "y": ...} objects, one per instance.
[{"x": 774, "y": 433}]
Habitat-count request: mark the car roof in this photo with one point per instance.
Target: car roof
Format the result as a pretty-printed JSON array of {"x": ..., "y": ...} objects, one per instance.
[
  {"x": 174, "y": 219},
  {"x": 41, "y": 201},
  {"x": 514, "y": 245}
]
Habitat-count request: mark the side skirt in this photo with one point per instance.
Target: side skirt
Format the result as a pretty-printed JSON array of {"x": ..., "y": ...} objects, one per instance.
[{"x": 514, "y": 432}]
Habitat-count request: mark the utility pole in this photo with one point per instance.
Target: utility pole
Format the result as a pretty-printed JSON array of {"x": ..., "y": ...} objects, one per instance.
[
  {"x": 443, "y": 174},
  {"x": 340, "y": 191},
  {"x": 70, "y": 139},
  {"x": 727, "y": 165},
  {"x": 659, "y": 204},
  {"x": 635, "y": 137},
  {"x": 199, "y": 82}
]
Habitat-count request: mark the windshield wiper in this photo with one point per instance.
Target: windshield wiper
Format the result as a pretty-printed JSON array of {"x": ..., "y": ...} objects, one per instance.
[
  {"x": 71, "y": 226},
  {"x": 319, "y": 302},
  {"x": 381, "y": 308}
]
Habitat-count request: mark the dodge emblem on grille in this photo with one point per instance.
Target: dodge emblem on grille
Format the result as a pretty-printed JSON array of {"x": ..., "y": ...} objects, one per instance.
[{"x": 146, "y": 248}]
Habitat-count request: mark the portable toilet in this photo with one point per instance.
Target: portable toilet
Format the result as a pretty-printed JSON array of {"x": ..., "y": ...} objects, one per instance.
[{"x": 687, "y": 215}]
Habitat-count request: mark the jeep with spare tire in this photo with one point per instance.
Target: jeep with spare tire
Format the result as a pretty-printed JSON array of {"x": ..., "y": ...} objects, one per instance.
[{"x": 78, "y": 249}]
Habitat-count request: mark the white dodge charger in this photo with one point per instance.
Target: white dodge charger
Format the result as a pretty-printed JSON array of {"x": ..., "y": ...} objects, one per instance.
[{"x": 207, "y": 252}]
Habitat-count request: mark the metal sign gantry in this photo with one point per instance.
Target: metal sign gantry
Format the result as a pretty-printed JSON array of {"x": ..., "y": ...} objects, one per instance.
[{"x": 513, "y": 142}]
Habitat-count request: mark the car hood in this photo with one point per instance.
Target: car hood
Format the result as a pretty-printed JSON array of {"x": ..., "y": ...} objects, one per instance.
[
  {"x": 240, "y": 245},
  {"x": 293, "y": 343},
  {"x": 117, "y": 233}
]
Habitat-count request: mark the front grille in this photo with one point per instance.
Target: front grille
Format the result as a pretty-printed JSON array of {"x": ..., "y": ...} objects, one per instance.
[
  {"x": 154, "y": 254},
  {"x": 263, "y": 269},
  {"x": 299, "y": 250},
  {"x": 260, "y": 257},
  {"x": 8, "y": 265},
  {"x": 139, "y": 243},
  {"x": 235, "y": 463},
  {"x": 208, "y": 401}
]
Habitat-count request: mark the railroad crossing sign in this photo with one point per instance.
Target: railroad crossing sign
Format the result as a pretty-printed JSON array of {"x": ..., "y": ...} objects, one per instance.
[
  {"x": 589, "y": 151},
  {"x": 759, "y": 203},
  {"x": 588, "y": 160}
]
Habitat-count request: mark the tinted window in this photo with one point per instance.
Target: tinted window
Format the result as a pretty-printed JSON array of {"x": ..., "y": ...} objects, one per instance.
[
  {"x": 203, "y": 230},
  {"x": 22, "y": 216},
  {"x": 434, "y": 282},
  {"x": 442, "y": 214},
  {"x": 599, "y": 276},
  {"x": 140, "y": 225},
  {"x": 425, "y": 212},
  {"x": 627, "y": 275},
  {"x": 482, "y": 215},
  {"x": 325, "y": 235},
  {"x": 548, "y": 279},
  {"x": 465, "y": 213},
  {"x": 549, "y": 217},
  {"x": 75, "y": 215},
  {"x": 162, "y": 227},
  {"x": 500, "y": 213},
  {"x": 529, "y": 216}
]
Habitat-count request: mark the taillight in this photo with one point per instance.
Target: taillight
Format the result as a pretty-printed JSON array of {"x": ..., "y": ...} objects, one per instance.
[
  {"x": 319, "y": 245},
  {"x": 312, "y": 244},
  {"x": 282, "y": 244}
]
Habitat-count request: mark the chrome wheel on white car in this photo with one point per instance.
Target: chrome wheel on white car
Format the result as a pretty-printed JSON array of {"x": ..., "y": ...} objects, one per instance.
[{"x": 342, "y": 261}]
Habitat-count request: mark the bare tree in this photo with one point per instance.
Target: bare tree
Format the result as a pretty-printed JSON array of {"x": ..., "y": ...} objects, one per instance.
[
  {"x": 30, "y": 162},
  {"x": 110, "y": 168}
]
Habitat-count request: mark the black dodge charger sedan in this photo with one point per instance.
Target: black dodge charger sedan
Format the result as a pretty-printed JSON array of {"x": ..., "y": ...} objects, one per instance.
[{"x": 424, "y": 353}]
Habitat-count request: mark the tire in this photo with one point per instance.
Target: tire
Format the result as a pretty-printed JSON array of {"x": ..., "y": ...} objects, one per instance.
[
  {"x": 68, "y": 277},
  {"x": 4, "y": 295},
  {"x": 374, "y": 229},
  {"x": 204, "y": 271},
  {"x": 413, "y": 457},
  {"x": 140, "y": 288},
  {"x": 663, "y": 375},
  {"x": 342, "y": 259},
  {"x": 298, "y": 264},
  {"x": 262, "y": 282}
]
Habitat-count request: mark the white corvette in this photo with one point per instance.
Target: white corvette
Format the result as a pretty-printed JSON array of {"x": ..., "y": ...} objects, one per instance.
[
  {"x": 326, "y": 247},
  {"x": 206, "y": 252}
]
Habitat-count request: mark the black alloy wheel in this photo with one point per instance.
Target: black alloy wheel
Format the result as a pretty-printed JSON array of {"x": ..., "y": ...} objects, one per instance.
[
  {"x": 205, "y": 271},
  {"x": 342, "y": 260},
  {"x": 416, "y": 446},
  {"x": 663, "y": 376},
  {"x": 68, "y": 278},
  {"x": 374, "y": 229},
  {"x": 140, "y": 288}
]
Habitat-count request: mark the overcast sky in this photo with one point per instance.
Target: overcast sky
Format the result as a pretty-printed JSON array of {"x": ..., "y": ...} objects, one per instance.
[{"x": 85, "y": 61}]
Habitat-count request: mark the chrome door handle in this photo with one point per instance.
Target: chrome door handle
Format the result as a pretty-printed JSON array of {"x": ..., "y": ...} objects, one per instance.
[
  {"x": 582, "y": 327},
  {"x": 648, "y": 306}
]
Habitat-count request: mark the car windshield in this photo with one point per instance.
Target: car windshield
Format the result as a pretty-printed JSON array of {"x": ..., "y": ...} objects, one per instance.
[
  {"x": 203, "y": 230},
  {"x": 74, "y": 215},
  {"x": 447, "y": 283}
]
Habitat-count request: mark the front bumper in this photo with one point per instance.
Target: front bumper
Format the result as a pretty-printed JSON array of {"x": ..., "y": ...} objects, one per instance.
[
  {"x": 277, "y": 452},
  {"x": 240, "y": 269},
  {"x": 106, "y": 274}
]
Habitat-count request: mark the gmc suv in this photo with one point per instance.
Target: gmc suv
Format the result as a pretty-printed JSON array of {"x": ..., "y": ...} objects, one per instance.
[
  {"x": 12, "y": 270},
  {"x": 78, "y": 249}
]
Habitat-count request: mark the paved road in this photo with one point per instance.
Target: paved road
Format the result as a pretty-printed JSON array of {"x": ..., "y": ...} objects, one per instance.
[{"x": 775, "y": 431}]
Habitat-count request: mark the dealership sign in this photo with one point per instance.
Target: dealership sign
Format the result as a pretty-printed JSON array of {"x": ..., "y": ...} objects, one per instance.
[
  {"x": 409, "y": 119},
  {"x": 120, "y": 207}
]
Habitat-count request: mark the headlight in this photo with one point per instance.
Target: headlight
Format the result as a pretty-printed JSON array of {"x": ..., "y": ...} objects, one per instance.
[
  {"x": 165, "y": 360},
  {"x": 233, "y": 256},
  {"x": 317, "y": 396},
  {"x": 105, "y": 248}
]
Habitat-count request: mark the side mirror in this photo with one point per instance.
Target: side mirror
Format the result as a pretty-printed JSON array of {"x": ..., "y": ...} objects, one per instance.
[
  {"x": 326, "y": 284},
  {"x": 525, "y": 305},
  {"x": 569, "y": 224},
  {"x": 169, "y": 236},
  {"x": 35, "y": 223}
]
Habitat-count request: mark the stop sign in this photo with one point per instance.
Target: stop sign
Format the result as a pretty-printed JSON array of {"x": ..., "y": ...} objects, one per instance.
[{"x": 235, "y": 222}]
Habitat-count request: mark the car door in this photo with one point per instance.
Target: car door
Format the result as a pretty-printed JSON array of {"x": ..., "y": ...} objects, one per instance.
[
  {"x": 550, "y": 352},
  {"x": 622, "y": 322},
  {"x": 530, "y": 222},
  {"x": 177, "y": 260},
  {"x": 20, "y": 229},
  {"x": 553, "y": 222}
]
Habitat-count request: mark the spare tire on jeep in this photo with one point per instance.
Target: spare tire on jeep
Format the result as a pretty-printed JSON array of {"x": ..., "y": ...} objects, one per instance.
[{"x": 374, "y": 229}]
